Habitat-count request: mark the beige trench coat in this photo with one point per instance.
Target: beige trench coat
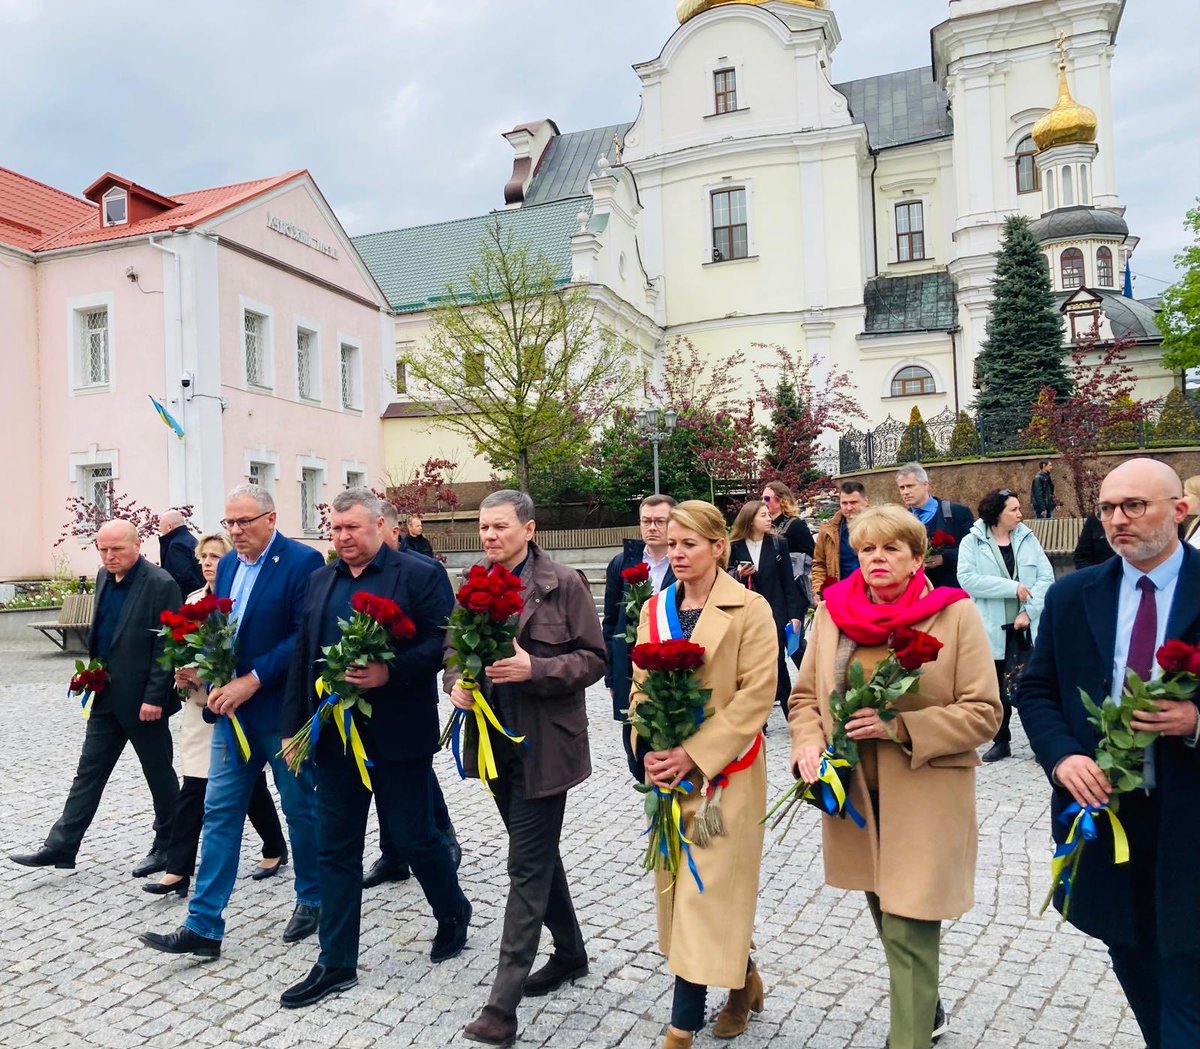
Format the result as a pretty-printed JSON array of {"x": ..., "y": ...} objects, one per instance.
[
  {"x": 919, "y": 856},
  {"x": 195, "y": 734},
  {"x": 706, "y": 936}
]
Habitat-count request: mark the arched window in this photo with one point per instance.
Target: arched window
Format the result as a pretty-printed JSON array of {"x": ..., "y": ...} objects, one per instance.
[
  {"x": 1084, "y": 194},
  {"x": 1068, "y": 196},
  {"x": 1027, "y": 176},
  {"x": 912, "y": 380},
  {"x": 1050, "y": 202},
  {"x": 1104, "y": 268},
  {"x": 1071, "y": 265}
]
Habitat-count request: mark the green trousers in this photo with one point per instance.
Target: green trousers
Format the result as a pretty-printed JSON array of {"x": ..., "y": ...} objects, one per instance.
[{"x": 911, "y": 947}]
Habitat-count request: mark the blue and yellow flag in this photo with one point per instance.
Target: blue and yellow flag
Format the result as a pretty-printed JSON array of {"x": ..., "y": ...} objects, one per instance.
[{"x": 168, "y": 419}]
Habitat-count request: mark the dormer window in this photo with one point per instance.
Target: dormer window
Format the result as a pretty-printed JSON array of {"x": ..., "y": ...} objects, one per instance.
[{"x": 115, "y": 207}]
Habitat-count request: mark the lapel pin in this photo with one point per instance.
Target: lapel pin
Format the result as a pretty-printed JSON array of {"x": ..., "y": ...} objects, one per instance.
[{"x": 275, "y": 559}]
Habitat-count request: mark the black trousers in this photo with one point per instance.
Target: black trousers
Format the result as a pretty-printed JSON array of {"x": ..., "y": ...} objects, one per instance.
[
  {"x": 537, "y": 883},
  {"x": 1004, "y": 735},
  {"x": 103, "y": 743},
  {"x": 185, "y": 835},
  {"x": 404, "y": 802},
  {"x": 441, "y": 819}
]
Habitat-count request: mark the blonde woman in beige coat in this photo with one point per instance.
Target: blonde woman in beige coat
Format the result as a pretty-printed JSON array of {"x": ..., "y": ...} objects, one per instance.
[
  {"x": 195, "y": 745},
  {"x": 915, "y": 859},
  {"x": 706, "y": 935}
]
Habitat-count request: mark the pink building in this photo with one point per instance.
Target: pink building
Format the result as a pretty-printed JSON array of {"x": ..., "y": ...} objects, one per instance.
[{"x": 245, "y": 310}]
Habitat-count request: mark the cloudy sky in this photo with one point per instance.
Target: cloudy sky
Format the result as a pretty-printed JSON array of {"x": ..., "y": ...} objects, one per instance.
[{"x": 397, "y": 106}]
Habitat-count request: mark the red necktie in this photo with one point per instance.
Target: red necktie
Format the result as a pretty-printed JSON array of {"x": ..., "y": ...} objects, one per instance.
[{"x": 1145, "y": 632}]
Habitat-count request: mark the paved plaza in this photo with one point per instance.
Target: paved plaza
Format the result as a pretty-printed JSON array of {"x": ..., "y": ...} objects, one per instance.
[{"x": 75, "y": 974}]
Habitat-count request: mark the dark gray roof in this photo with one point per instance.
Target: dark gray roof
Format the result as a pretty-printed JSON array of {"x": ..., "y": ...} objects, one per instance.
[
  {"x": 568, "y": 162},
  {"x": 1078, "y": 222},
  {"x": 899, "y": 108},
  {"x": 1127, "y": 316},
  {"x": 413, "y": 266},
  {"x": 922, "y": 302}
]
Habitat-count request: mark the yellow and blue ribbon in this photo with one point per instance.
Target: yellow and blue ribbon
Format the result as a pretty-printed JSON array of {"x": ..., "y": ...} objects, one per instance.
[
  {"x": 484, "y": 716},
  {"x": 829, "y": 793},
  {"x": 341, "y": 712},
  {"x": 1065, "y": 865},
  {"x": 85, "y": 701}
]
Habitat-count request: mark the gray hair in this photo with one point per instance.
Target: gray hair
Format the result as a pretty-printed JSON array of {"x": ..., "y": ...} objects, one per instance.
[
  {"x": 389, "y": 513},
  {"x": 352, "y": 497},
  {"x": 262, "y": 498},
  {"x": 913, "y": 470},
  {"x": 519, "y": 501}
]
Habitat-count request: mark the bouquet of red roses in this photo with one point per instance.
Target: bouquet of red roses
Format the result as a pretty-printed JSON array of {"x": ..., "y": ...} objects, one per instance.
[
  {"x": 200, "y": 635},
  {"x": 481, "y": 630},
  {"x": 897, "y": 674},
  {"x": 669, "y": 707},
  {"x": 939, "y": 543},
  {"x": 640, "y": 590},
  {"x": 368, "y": 636},
  {"x": 90, "y": 680},
  {"x": 1121, "y": 755}
]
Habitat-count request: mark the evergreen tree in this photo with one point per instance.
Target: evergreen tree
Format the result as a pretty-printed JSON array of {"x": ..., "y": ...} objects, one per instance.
[
  {"x": 964, "y": 440},
  {"x": 1178, "y": 422},
  {"x": 916, "y": 446},
  {"x": 1023, "y": 350}
]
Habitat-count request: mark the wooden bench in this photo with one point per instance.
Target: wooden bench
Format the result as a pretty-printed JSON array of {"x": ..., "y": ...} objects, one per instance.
[
  {"x": 74, "y": 618},
  {"x": 1058, "y": 535}
]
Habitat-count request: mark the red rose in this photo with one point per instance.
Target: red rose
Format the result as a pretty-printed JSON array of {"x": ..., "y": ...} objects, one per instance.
[
  {"x": 1178, "y": 657},
  {"x": 479, "y": 601},
  {"x": 638, "y": 573},
  {"x": 675, "y": 654},
  {"x": 913, "y": 648},
  {"x": 942, "y": 539},
  {"x": 224, "y": 604}
]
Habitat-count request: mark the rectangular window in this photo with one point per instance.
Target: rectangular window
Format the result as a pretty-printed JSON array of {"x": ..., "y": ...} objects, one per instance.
[
  {"x": 254, "y": 342},
  {"x": 95, "y": 485},
  {"x": 116, "y": 207},
  {"x": 310, "y": 483},
  {"x": 356, "y": 479},
  {"x": 725, "y": 89},
  {"x": 306, "y": 364},
  {"x": 402, "y": 377},
  {"x": 262, "y": 474},
  {"x": 910, "y": 231},
  {"x": 92, "y": 347},
  {"x": 351, "y": 399},
  {"x": 731, "y": 238},
  {"x": 473, "y": 367}
]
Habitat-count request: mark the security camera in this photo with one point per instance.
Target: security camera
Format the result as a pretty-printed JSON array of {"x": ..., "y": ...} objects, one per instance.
[
  {"x": 185, "y": 380},
  {"x": 132, "y": 274}
]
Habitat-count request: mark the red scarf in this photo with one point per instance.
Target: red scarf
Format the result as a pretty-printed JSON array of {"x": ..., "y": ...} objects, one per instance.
[{"x": 862, "y": 620}]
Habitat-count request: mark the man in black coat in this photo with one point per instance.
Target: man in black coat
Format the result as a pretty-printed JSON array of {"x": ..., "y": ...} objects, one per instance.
[
  {"x": 651, "y": 550},
  {"x": 937, "y": 515},
  {"x": 413, "y": 539},
  {"x": 400, "y": 738},
  {"x": 177, "y": 552},
  {"x": 133, "y": 707},
  {"x": 1041, "y": 494},
  {"x": 1096, "y": 625}
]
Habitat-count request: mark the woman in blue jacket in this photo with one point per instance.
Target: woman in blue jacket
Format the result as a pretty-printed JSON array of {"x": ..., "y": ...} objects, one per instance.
[{"x": 1003, "y": 567}]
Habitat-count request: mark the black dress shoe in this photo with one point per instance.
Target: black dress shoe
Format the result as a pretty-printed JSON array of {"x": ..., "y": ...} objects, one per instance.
[
  {"x": 451, "y": 937},
  {"x": 552, "y": 975},
  {"x": 384, "y": 870},
  {"x": 44, "y": 857},
  {"x": 997, "y": 751},
  {"x": 492, "y": 1028},
  {"x": 321, "y": 981},
  {"x": 262, "y": 873},
  {"x": 941, "y": 1023},
  {"x": 158, "y": 888},
  {"x": 152, "y": 864},
  {"x": 182, "y": 941},
  {"x": 303, "y": 922}
]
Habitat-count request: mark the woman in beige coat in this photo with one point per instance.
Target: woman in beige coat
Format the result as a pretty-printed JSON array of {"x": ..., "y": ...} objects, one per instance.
[
  {"x": 706, "y": 935},
  {"x": 195, "y": 744},
  {"x": 915, "y": 859}
]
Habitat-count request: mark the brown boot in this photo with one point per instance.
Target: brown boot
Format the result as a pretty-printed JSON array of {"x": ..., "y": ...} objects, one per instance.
[
  {"x": 677, "y": 1039},
  {"x": 736, "y": 1014}
]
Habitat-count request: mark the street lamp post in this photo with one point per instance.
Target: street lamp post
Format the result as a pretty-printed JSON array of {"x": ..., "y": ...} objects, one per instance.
[{"x": 656, "y": 426}]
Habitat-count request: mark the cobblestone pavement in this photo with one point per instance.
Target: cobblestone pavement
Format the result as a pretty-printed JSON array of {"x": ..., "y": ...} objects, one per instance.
[{"x": 75, "y": 974}]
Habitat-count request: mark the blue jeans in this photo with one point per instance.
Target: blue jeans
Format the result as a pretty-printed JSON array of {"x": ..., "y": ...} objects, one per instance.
[{"x": 230, "y": 784}]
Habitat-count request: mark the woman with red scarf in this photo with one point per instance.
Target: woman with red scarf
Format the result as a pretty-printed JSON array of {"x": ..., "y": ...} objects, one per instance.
[{"x": 915, "y": 780}]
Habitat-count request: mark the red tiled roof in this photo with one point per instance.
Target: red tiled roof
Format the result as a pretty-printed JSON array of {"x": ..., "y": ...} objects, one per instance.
[
  {"x": 195, "y": 207},
  {"x": 30, "y": 211}
]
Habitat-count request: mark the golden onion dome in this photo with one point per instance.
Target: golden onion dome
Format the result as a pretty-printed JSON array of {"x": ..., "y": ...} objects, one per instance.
[
  {"x": 685, "y": 9},
  {"x": 1068, "y": 122}
]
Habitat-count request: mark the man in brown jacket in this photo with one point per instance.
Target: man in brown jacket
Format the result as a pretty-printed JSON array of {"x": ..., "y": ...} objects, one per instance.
[
  {"x": 539, "y": 693},
  {"x": 834, "y": 558}
]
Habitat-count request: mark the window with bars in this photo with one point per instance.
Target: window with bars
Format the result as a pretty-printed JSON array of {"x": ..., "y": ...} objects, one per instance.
[
  {"x": 350, "y": 377},
  {"x": 725, "y": 90},
  {"x": 1104, "y": 267},
  {"x": 254, "y": 341},
  {"x": 261, "y": 474},
  {"x": 306, "y": 364},
  {"x": 910, "y": 231},
  {"x": 93, "y": 348},
  {"x": 310, "y": 495},
  {"x": 95, "y": 485},
  {"x": 1071, "y": 266},
  {"x": 730, "y": 231},
  {"x": 1027, "y": 175},
  {"x": 910, "y": 381}
]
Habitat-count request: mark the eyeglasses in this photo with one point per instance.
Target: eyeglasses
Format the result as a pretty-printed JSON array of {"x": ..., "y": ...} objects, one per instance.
[
  {"x": 658, "y": 522},
  {"x": 1131, "y": 508},
  {"x": 243, "y": 522}
]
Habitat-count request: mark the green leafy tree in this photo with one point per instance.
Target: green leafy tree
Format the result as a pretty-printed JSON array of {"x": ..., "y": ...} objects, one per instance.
[
  {"x": 1179, "y": 318},
  {"x": 517, "y": 362},
  {"x": 916, "y": 445},
  {"x": 1024, "y": 349},
  {"x": 964, "y": 439},
  {"x": 1177, "y": 423}
]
